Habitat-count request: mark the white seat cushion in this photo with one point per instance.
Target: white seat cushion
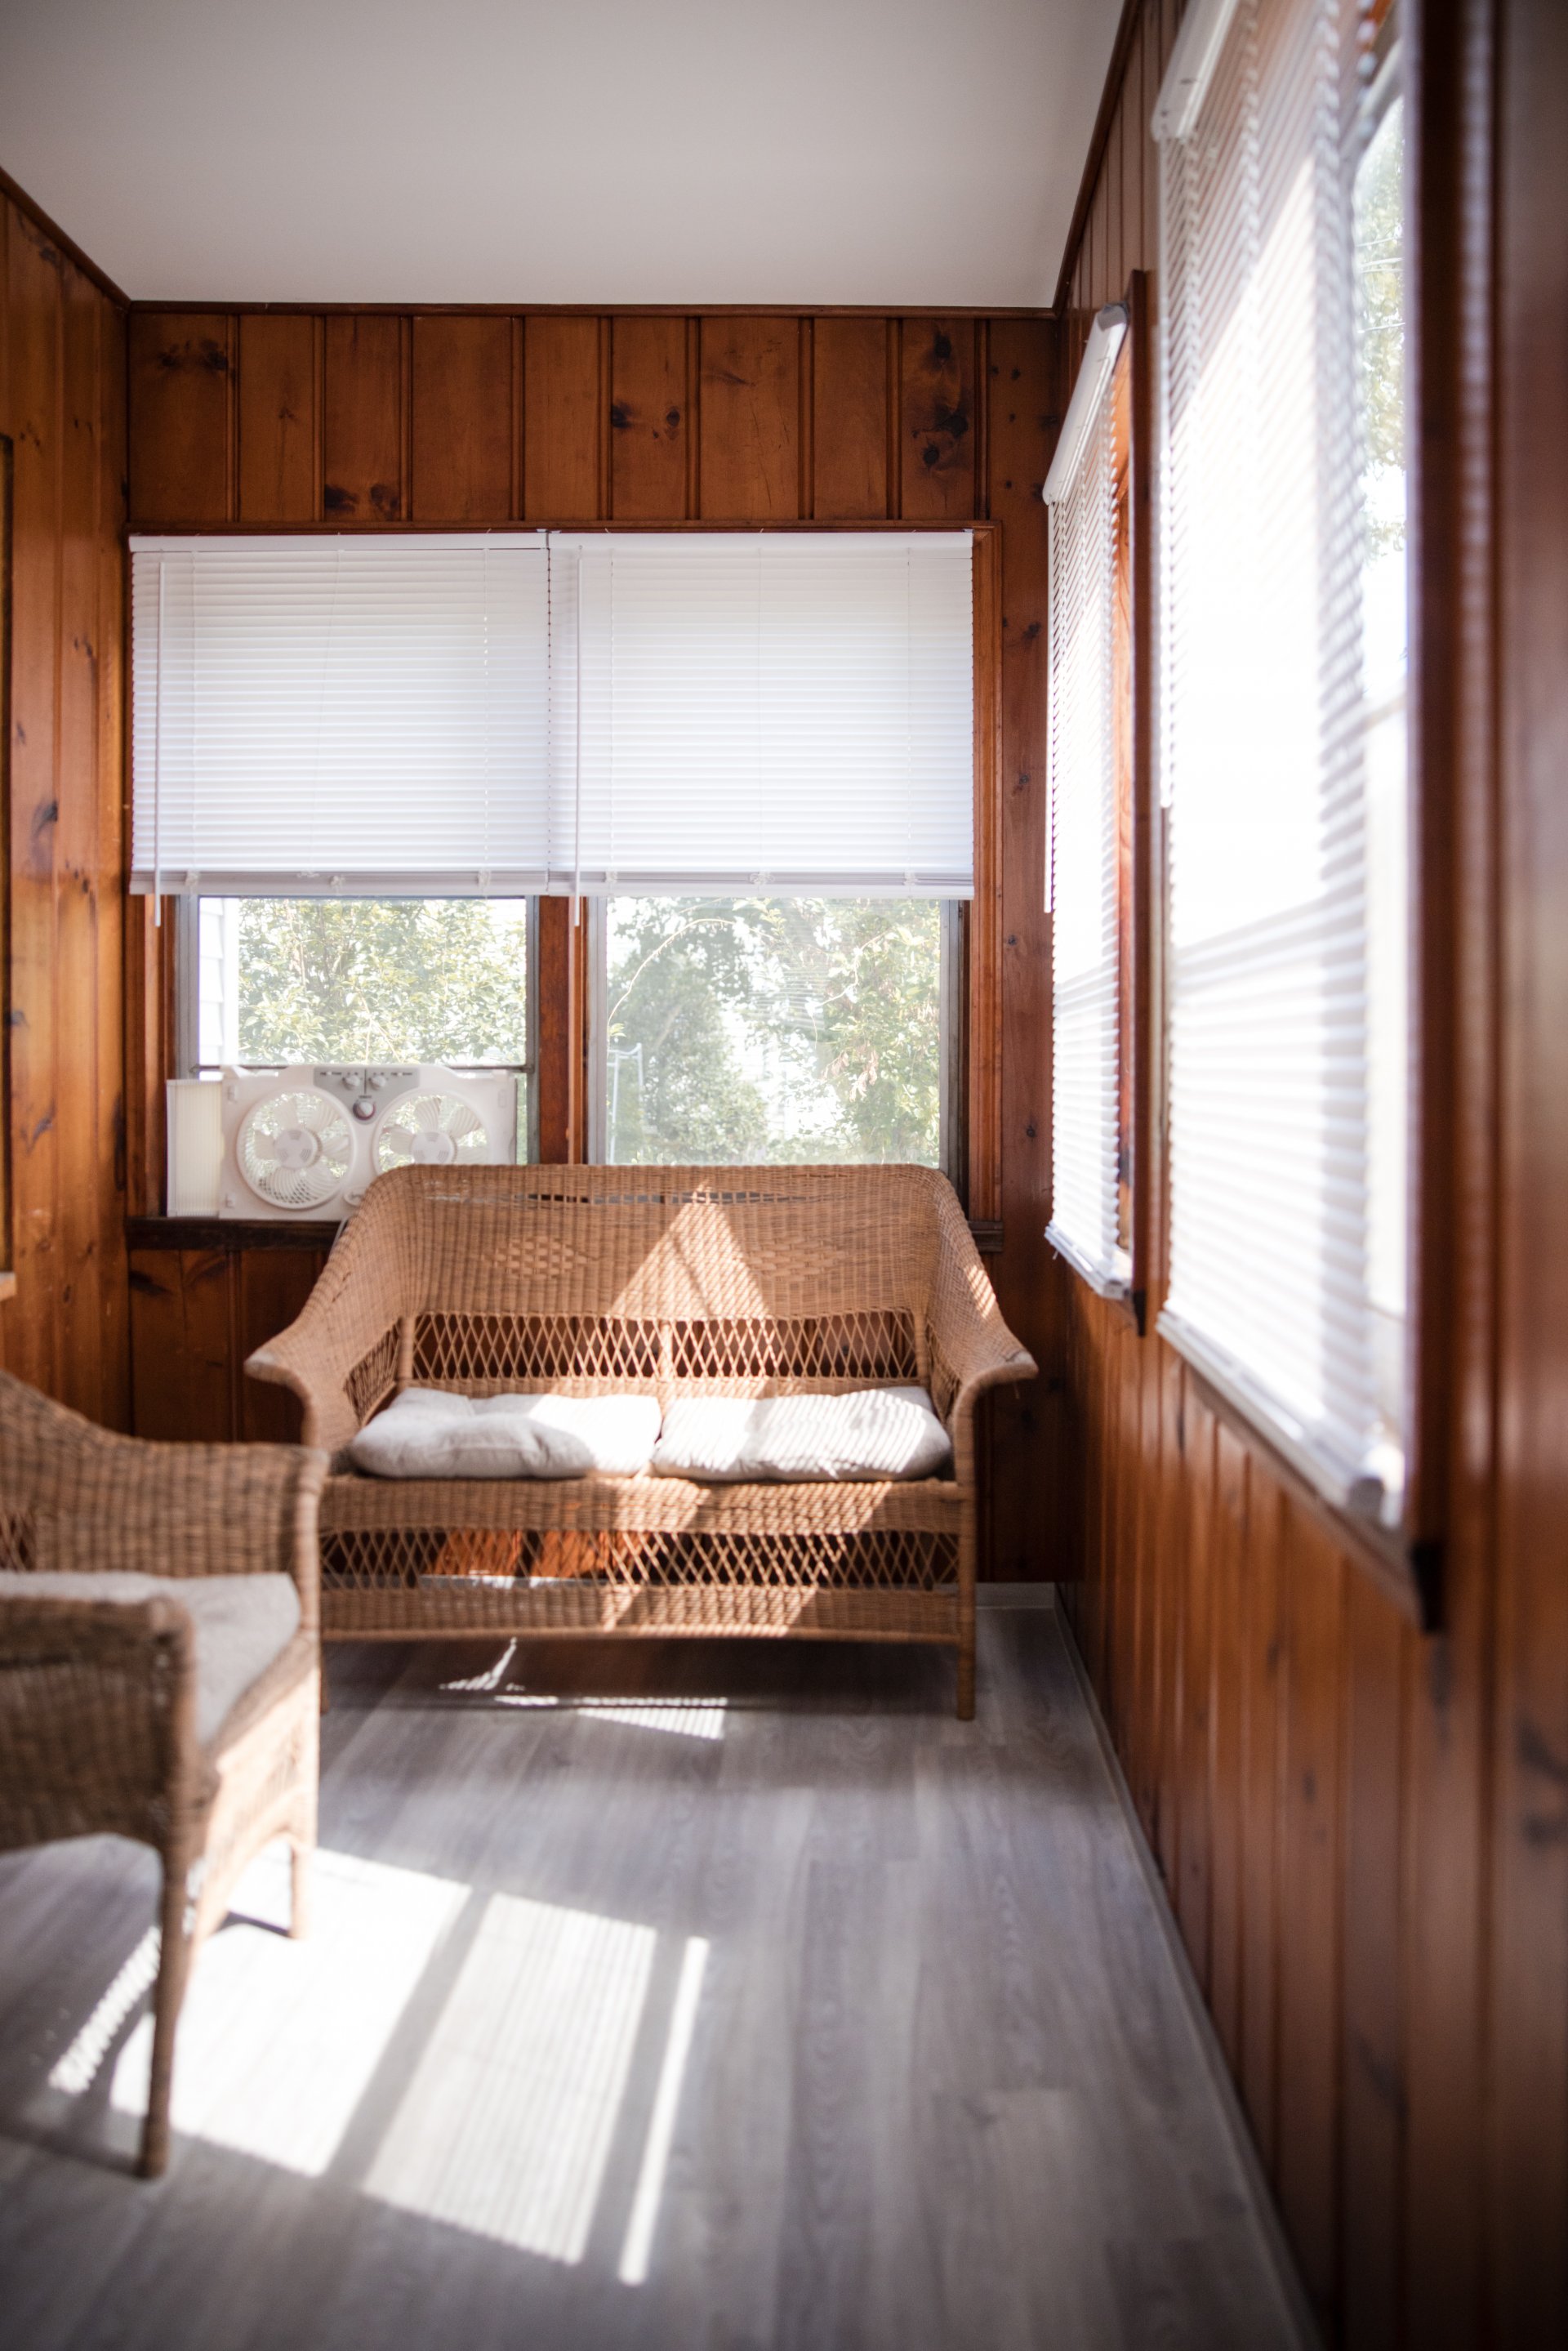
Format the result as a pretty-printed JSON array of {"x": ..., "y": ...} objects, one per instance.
[
  {"x": 871, "y": 1433},
  {"x": 427, "y": 1433},
  {"x": 241, "y": 1622}
]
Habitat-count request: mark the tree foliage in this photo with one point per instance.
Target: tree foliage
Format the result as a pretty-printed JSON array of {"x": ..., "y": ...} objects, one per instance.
[
  {"x": 758, "y": 1029},
  {"x": 364, "y": 979}
]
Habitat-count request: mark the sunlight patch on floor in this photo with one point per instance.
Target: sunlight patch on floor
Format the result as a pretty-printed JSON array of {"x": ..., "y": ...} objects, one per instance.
[
  {"x": 507, "y": 2124},
  {"x": 76, "y": 2068},
  {"x": 691, "y": 1718},
  {"x": 638, "y": 2250},
  {"x": 279, "y": 2040}
]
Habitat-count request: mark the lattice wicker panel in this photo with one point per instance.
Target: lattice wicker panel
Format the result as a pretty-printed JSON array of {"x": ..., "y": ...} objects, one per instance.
[
  {"x": 878, "y": 1344},
  {"x": 409, "y": 1560},
  {"x": 18, "y": 1542},
  {"x": 467, "y": 1350},
  {"x": 449, "y": 1605},
  {"x": 472, "y": 1351},
  {"x": 374, "y": 1375}
]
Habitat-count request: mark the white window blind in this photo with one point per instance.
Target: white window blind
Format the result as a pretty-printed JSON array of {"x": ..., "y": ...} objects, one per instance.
[
  {"x": 787, "y": 712},
  {"x": 340, "y": 716},
  {"x": 1080, "y": 491},
  {"x": 1262, "y": 733}
]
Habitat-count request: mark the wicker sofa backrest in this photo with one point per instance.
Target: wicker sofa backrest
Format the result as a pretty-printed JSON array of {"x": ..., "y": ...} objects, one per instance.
[{"x": 667, "y": 1281}]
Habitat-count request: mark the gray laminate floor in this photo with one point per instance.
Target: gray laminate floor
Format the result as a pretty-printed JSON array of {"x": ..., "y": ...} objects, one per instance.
[{"x": 684, "y": 1996}]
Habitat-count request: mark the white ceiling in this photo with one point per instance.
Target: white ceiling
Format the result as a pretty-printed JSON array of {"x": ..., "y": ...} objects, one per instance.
[{"x": 893, "y": 152}]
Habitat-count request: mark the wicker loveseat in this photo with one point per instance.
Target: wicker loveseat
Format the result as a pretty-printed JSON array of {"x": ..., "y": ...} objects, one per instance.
[{"x": 673, "y": 1282}]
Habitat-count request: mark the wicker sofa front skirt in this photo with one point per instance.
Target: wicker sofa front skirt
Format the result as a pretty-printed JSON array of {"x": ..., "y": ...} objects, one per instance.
[{"x": 665, "y": 1281}]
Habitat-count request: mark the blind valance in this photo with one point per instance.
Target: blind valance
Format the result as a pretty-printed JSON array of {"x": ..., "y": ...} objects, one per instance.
[
  {"x": 340, "y": 716},
  {"x": 595, "y": 712},
  {"x": 787, "y": 712}
]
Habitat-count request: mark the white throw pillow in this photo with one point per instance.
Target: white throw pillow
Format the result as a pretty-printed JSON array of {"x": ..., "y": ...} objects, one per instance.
[
  {"x": 428, "y": 1433},
  {"x": 871, "y": 1433}
]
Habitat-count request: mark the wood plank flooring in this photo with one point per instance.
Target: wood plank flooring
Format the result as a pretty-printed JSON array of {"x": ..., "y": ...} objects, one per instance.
[{"x": 693, "y": 1995}]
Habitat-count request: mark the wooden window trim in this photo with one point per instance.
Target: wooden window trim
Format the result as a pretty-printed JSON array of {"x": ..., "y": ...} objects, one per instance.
[{"x": 8, "y": 1229}]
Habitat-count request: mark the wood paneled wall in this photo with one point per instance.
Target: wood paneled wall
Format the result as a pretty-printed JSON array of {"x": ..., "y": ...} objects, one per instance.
[
  {"x": 379, "y": 420},
  {"x": 1363, "y": 1830},
  {"x": 62, "y": 405}
]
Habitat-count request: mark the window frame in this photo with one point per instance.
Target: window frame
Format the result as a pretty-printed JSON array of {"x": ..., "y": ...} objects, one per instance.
[
  {"x": 559, "y": 1091},
  {"x": 949, "y": 1016},
  {"x": 1140, "y": 835}
]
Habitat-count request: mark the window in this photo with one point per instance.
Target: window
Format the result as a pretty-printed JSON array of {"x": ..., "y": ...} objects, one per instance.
[
  {"x": 749, "y": 1029},
  {"x": 1281, "y": 747},
  {"x": 1090, "y": 840},
  {"x": 358, "y": 762}
]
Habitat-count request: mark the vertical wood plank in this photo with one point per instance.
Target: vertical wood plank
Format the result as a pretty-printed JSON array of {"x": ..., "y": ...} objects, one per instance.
[
  {"x": 279, "y": 396},
  {"x": 938, "y": 420},
  {"x": 462, "y": 420},
  {"x": 563, "y": 420},
  {"x": 1193, "y": 1880},
  {"x": 182, "y": 416},
  {"x": 849, "y": 420},
  {"x": 1021, "y": 390},
  {"x": 1262, "y": 1770},
  {"x": 1373, "y": 1879},
  {"x": 77, "y": 881},
  {"x": 34, "y": 373},
  {"x": 1228, "y": 1539},
  {"x": 650, "y": 420},
  {"x": 364, "y": 418},
  {"x": 1309, "y": 1951},
  {"x": 182, "y": 1345},
  {"x": 750, "y": 419}
]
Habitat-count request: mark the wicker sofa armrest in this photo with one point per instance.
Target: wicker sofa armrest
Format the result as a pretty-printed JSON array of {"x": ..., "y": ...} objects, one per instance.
[
  {"x": 340, "y": 1354},
  {"x": 970, "y": 1345},
  {"x": 96, "y": 1719},
  {"x": 75, "y": 1496}
]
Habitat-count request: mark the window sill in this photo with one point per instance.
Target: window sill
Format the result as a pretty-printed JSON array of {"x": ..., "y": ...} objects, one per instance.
[
  {"x": 230, "y": 1234},
  {"x": 1114, "y": 1289},
  {"x": 1384, "y": 1554}
]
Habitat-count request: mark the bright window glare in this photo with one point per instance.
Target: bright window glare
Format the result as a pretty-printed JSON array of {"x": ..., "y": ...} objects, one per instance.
[
  {"x": 279, "y": 2040},
  {"x": 507, "y": 2124}
]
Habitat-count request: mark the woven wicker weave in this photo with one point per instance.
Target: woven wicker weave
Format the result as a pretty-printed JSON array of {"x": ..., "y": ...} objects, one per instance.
[
  {"x": 97, "y": 1698},
  {"x": 668, "y": 1282}
]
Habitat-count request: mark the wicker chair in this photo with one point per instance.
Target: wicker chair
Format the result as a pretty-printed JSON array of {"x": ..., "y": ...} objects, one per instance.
[
  {"x": 668, "y": 1282},
  {"x": 100, "y": 1697}
]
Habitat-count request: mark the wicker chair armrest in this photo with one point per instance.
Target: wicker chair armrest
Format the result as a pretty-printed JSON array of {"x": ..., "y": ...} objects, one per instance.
[
  {"x": 98, "y": 1702},
  {"x": 74, "y": 1496}
]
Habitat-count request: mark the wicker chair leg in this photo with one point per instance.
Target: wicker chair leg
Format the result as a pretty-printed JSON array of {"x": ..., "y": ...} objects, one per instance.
[
  {"x": 966, "y": 1674},
  {"x": 173, "y": 1966}
]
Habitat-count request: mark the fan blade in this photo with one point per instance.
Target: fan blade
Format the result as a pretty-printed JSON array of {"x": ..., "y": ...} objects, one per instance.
[
  {"x": 460, "y": 1118},
  {"x": 398, "y": 1138}
]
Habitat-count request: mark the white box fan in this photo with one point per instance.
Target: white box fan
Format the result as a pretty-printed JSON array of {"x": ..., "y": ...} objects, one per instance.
[{"x": 308, "y": 1142}]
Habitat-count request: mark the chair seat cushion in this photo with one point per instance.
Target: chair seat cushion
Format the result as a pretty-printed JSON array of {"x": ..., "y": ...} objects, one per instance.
[
  {"x": 241, "y": 1623},
  {"x": 872, "y": 1433},
  {"x": 427, "y": 1433}
]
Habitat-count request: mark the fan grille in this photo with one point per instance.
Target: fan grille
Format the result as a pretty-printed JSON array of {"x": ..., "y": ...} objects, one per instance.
[
  {"x": 431, "y": 1129},
  {"x": 294, "y": 1149}
]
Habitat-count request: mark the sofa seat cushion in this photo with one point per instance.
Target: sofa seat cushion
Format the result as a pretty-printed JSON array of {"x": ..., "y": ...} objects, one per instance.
[
  {"x": 429, "y": 1433},
  {"x": 241, "y": 1623},
  {"x": 872, "y": 1433}
]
